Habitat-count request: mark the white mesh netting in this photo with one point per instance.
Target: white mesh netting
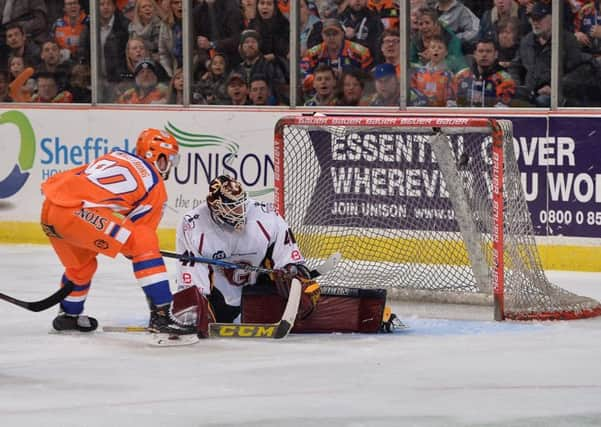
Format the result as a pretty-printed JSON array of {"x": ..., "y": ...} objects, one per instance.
[{"x": 408, "y": 204}]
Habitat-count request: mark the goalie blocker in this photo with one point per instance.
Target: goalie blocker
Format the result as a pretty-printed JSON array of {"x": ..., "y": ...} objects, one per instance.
[{"x": 340, "y": 309}]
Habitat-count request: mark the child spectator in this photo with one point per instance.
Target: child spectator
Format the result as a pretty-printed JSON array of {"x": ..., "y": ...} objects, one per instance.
[
  {"x": 324, "y": 85},
  {"x": 237, "y": 90},
  {"x": 146, "y": 25},
  {"x": 175, "y": 92},
  {"x": 485, "y": 84},
  {"x": 22, "y": 86},
  {"x": 66, "y": 31},
  {"x": 171, "y": 48},
  {"x": 351, "y": 89},
  {"x": 79, "y": 84},
  {"x": 459, "y": 19},
  {"x": 48, "y": 90},
  {"x": 432, "y": 84},
  {"x": 212, "y": 86},
  {"x": 147, "y": 89},
  {"x": 387, "y": 87}
]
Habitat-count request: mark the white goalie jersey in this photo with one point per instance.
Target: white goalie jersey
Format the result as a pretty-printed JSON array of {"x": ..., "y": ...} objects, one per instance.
[{"x": 266, "y": 240}]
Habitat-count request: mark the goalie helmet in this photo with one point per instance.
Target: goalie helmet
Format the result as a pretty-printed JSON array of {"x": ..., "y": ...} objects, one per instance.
[
  {"x": 227, "y": 202},
  {"x": 159, "y": 148}
]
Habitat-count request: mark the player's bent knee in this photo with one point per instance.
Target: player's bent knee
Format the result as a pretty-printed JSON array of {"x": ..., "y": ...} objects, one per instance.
[{"x": 142, "y": 240}]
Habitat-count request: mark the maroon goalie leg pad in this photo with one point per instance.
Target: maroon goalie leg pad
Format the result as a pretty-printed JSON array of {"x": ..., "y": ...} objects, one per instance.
[
  {"x": 189, "y": 305},
  {"x": 339, "y": 309}
]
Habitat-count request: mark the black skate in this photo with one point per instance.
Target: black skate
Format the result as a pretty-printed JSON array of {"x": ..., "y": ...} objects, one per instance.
[
  {"x": 161, "y": 322},
  {"x": 68, "y": 322},
  {"x": 390, "y": 321}
]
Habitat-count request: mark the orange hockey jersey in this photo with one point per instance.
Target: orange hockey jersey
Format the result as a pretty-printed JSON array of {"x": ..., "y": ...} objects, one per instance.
[{"x": 120, "y": 181}]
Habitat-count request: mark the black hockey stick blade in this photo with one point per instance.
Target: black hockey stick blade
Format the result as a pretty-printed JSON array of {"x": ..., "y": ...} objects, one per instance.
[{"x": 44, "y": 304}]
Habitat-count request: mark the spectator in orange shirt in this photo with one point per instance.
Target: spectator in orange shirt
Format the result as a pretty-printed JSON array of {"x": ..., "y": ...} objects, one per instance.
[
  {"x": 48, "y": 90},
  {"x": 66, "y": 31},
  {"x": 147, "y": 90}
]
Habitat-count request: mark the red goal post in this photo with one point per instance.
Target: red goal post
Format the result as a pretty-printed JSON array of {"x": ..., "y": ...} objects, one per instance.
[{"x": 430, "y": 208}]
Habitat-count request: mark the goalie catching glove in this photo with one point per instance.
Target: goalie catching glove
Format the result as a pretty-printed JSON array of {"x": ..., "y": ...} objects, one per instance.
[{"x": 311, "y": 289}]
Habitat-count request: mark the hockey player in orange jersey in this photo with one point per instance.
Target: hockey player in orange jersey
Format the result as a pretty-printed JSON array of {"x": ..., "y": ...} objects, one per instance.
[{"x": 112, "y": 205}]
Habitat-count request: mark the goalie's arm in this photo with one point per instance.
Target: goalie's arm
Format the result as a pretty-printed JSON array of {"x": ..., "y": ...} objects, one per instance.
[{"x": 189, "y": 273}]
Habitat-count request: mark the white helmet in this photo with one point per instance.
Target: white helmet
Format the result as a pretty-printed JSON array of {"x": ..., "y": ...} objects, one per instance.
[{"x": 227, "y": 202}]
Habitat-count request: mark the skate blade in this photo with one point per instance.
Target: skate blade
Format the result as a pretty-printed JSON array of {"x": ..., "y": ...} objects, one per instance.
[{"x": 167, "y": 340}]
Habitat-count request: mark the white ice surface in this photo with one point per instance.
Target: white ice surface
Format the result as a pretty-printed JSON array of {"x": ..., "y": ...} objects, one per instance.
[{"x": 441, "y": 372}]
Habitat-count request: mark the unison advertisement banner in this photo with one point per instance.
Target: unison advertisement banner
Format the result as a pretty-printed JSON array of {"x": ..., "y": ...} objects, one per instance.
[{"x": 558, "y": 157}]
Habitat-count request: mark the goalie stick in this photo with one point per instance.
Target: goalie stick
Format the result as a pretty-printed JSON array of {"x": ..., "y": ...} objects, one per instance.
[
  {"x": 276, "y": 330},
  {"x": 321, "y": 269},
  {"x": 44, "y": 304}
]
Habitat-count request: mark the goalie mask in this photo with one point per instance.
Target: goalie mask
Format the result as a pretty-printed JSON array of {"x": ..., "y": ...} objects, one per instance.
[
  {"x": 227, "y": 202},
  {"x": 160, "y": 149}
]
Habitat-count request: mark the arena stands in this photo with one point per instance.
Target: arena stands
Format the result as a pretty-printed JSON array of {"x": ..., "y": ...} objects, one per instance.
[{"x": 251, "y": 38}]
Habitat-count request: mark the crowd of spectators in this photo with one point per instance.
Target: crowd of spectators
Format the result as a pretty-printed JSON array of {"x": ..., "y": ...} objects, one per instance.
[{"x": 480, "y": 53}]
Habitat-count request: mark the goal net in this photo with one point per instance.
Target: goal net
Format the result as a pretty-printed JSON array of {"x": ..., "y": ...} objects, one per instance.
[{"x": 430, "y": 208}]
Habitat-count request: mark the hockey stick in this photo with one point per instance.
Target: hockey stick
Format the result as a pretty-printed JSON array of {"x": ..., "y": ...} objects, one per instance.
[
  {"x": 321, "y": 269},
  {"x": 245, "y": 330},
  {"x": 44, "y": 304}
]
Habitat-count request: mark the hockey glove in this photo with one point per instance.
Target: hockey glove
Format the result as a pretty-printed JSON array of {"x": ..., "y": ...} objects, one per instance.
[{"x": 311, "y": 289}]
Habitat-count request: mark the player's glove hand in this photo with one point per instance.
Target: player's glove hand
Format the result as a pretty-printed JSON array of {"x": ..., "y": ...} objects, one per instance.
[{"x": 311, "y": 289}]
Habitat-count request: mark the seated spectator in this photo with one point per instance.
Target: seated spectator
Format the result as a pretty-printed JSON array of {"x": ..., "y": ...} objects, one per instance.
[
  {"x": 274, "y": 30},
  {"x": 80, "y": 82},
  {"x": 284, "y": 7},
  {"x": 533, "y": 61},
  {"x": 456, "y": 17},
  {"x": 211, "y": 88},
  {"x": 351, "y": 87},
  {"x": 113, "y": 39},
  {"x": 47, "y": 90},
  {"x": 4, "y": 80},
  {"x": 432, "y": 84},
  {"x": 254, "y": 62},
  {"x": 331, "y": 9},
  {"x": 387, "y": 87},
  {"x": 66, "y": 31},
  {"x": 217, "y": 27},
  {"x": 362, "y": 25},
  {"x": 17, "y": 44},
  {"x": 430, "y": 26},
  {"x": 147, "y": 89},
  {"x": 21, "y": 86},
  {"x": 390, "y": 51},
  {"x": 485, "y": 84},
  {"x": 508, "y": 38},
  {"x": 324, "y": 87},
  {"x": 30, "y": 15},
  {"x": 259, "y": 92},
  {"x": 175, "y": 92},
  {"x": 336, "y": 52},
  {"x": 171, "y": 48},
  {"x": 503, "y": 9},
  {"x": 388, "y": 11},
  {"x": 51, "y": 63},
  {"x": 146, "y": 25},
  {"x": 310, "y": 26},
  {"x": 237, "y": 90}
]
